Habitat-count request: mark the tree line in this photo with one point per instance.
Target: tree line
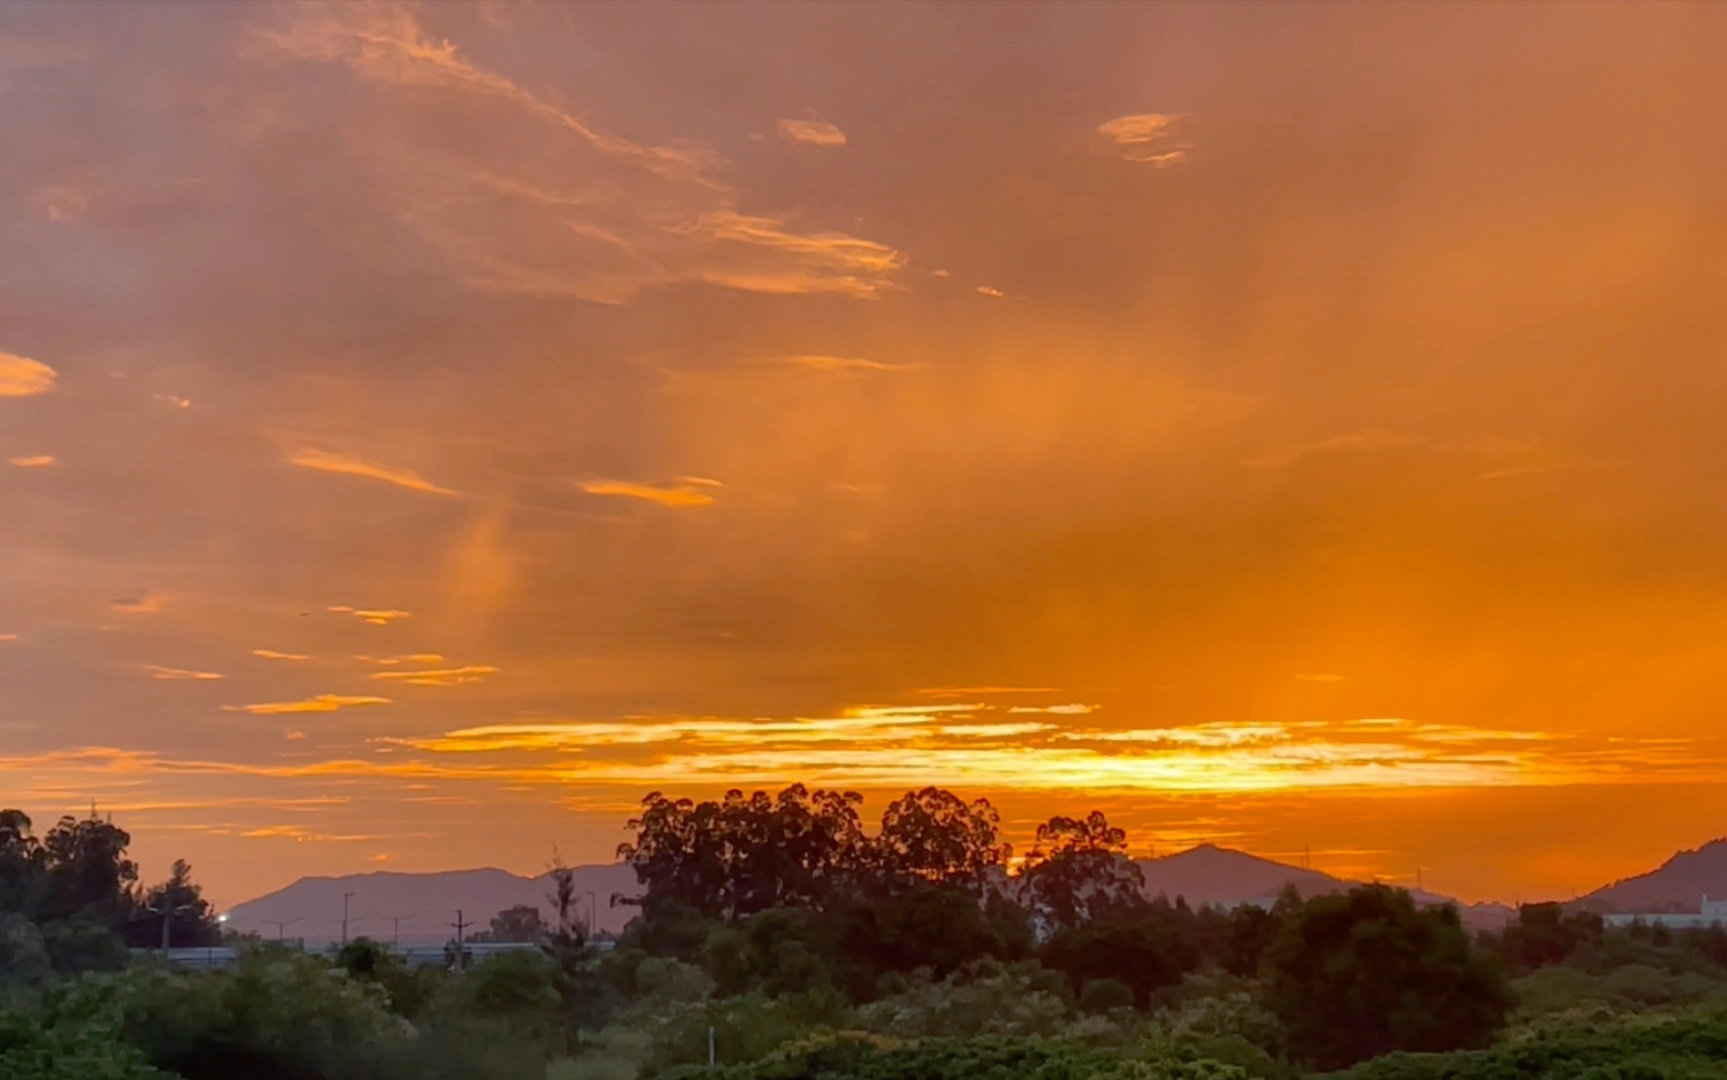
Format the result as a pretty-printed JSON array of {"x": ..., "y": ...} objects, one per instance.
[
  {"x": 787, "y": 893},
  {"x": 71, "y": 899}
]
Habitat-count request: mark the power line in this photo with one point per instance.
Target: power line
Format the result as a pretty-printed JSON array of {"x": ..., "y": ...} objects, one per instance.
[
  {"x": 461, "y": 926},
  {"x": 281, "y": 925},
  {"x": 345, "y": 898}
]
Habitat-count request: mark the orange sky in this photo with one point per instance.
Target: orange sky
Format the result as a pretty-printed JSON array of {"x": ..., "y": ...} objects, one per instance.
[{"x": 428, "y": 428}]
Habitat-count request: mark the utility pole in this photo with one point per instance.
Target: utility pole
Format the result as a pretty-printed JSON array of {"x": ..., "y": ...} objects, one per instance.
[
  {"x": 461, "y": 926},
  {"x": 345, "y": 898},
  {"x": 396, "y": 930},
  {"x": 593, "y": 915},
  {"x": 281, "y": 926}
]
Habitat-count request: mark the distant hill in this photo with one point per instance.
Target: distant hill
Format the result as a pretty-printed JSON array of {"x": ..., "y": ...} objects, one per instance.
[
  {"x": 1209, "y": 874},
  {"x": 1678, "y": 884},
  {"x": 425, "y": 903}
]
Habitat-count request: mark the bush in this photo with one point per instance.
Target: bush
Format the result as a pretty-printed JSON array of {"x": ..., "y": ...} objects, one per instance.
[
  {"x": 854, "y": 1056},
  {"x": 1693, "y": 1048}
]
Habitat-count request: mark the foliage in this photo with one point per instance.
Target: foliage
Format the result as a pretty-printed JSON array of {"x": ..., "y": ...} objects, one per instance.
[
  {"x": 1146, "y": 954},
  {"x": 1079, "y": 871},
  {"x": 70, "y": 899},
  {"x": 1666, "y": 1048},
  {"x": 854, "y": 1056},
  {"x": 743, "y": 855},
  {"x": 988, "y": 999},
  {"x": 1545, "y": 934},
  {"x": 521, "y": 923},
  {"x": 191, "y": 921},
  {"x": 1368, "y": 973}
]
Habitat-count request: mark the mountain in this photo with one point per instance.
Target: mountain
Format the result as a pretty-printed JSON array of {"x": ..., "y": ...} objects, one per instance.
[
  {"x": 1678, "y": 884},
  {"x": 424, "y": 904},
  {"x": 1209, "y": 874}
]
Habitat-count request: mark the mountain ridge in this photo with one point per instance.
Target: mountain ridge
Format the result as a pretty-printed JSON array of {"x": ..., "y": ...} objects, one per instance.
[
  {"x": 420, "y": 906},
  {"x": 1678, "y": 884}
]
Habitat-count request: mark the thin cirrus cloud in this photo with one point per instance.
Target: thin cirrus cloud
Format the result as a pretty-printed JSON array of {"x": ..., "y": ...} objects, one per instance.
[
  {"x": 643, "y": 215},
  {"x": 36, "y": 461},
  {"x": 272, "y": 654},
  {"x": 411, "y": 658},
  {"x": 348, "y": 465},
  {"x": 322, "y": 703},
  {"x": 168, "y": 674},
  {"x": 845, "y": 365},
  {"x": 1144, "y": 137},
  {"x": 687, "y": 493},
  {"x": 963, "y": 744},
  {"x": 21, "y": 376},
  {"x": 812, "y": 131},
  {"x": 471, "y": 673},
  {"x": 375, "y": 616}
]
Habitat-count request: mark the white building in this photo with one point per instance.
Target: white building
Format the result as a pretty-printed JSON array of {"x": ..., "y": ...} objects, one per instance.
[{"x": 1709, "y": 913}]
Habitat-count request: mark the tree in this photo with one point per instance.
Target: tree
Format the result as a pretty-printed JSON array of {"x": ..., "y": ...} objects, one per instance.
[
  {"x": 521, "y": 923},
  {"x": 744, "y": 854},
  {"x": 22, "y": 865},
  {"x": 1145, "y": 950},
  {"x": 1080, "y": 871},
  {"x": 1544, "y": 934},
  {"x": 1366, "y": 973},
  {"x": 191, "y": 922},
  {"x": 88, "y": 871},
  {"x": 934, "y": 836}
]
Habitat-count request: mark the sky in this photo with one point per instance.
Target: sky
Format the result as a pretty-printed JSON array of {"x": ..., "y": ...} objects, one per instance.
[{"x": 426, "y": 429}]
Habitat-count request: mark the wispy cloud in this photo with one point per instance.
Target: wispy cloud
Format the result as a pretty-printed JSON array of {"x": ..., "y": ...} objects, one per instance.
[
  {"x": 1371, "y": 439},
  {"x": 38, "y": 461},
  {"x": 1143, "y": 137},
  {"x": 410, "y": 658},
  {"x": 682, "y": 495},
  {"x": 471, "y": 673},
  {"x": 987, "y": 290},
  {"x": 814, "y": 131},
  {"x": 180, "y": 674},
  {"x": 7, "y": 638},
  {"x": 824, "y": 262},
  {"x": 323, "y": 703},
  {"x": 142, "y": 604},
  {"x": 974, "y": 691},
  {"x": 328, "y": 461},
  {"x": 844, "y": 364},
  {"x": 174, "y": 401},
  {"x": 1056, "y": 710},
  {"x": 272, "y": 654},
  {"x": 963, "y": 745},
  {"x": 375, "y": 616},
  {"x": 640, "y": 216},
  {"x": 21, "y": 376}
]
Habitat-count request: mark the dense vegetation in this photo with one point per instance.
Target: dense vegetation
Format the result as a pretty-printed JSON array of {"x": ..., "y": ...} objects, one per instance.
[{"x": 785, "y": 940}]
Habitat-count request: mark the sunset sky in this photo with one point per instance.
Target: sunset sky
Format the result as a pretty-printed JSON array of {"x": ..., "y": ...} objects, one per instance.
[{"x": 425, "y": 429}]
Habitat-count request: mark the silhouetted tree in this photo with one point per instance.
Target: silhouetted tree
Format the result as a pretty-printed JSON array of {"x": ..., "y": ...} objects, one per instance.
[
  {"x": 733, "y": 858},
  {"x": 1366, "y": 973},
  {"x": 88, "y": 871},
  {"x": 934, "y": 836},
  {"x": 191, "y": 921},
  {"x": 1080, "y": 871},
  {"x": 521, "y": 923},
  {"x": 1544, "y": 934}
]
